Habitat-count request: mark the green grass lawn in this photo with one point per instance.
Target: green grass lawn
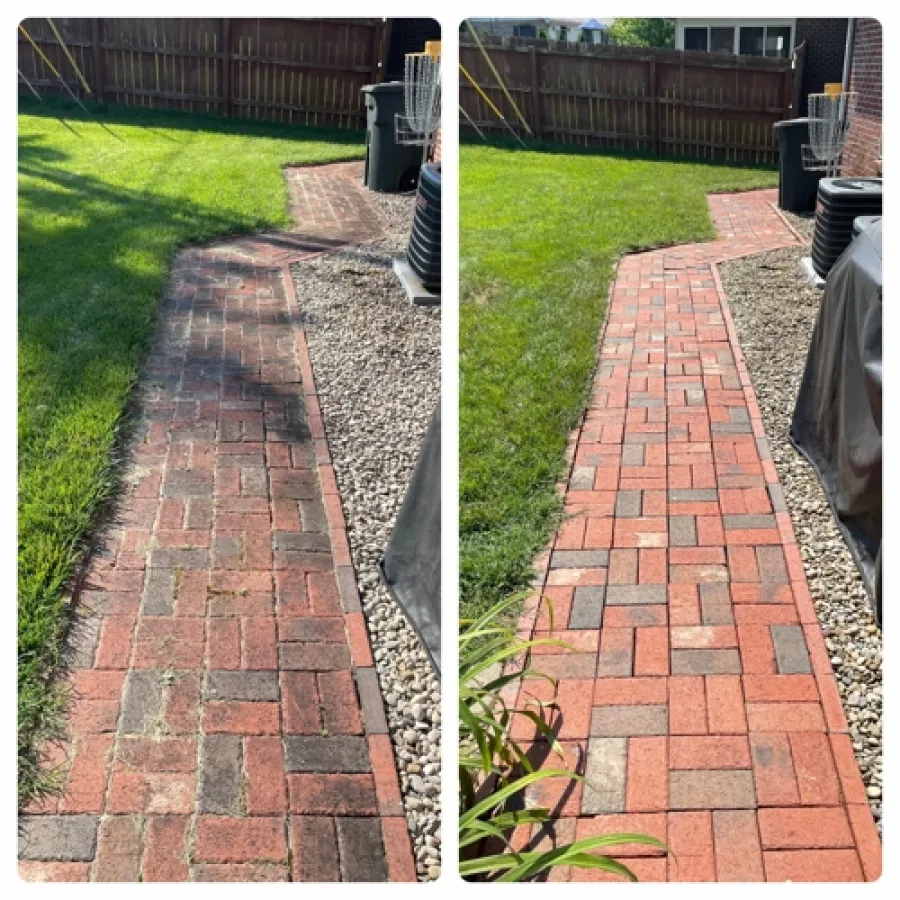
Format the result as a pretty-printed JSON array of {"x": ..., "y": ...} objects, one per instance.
[
  {"x": 99, "y": 220},
  {"x": 540, "y": 233}
]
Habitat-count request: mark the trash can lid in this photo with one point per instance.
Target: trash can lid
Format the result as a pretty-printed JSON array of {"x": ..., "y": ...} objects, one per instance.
[
  {"x": 386, "y": 87},
  {"x": 785, "y": 122}
]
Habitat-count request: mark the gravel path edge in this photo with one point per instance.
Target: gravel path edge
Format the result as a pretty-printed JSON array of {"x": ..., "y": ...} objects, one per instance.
[{"x": 376, "y": 361}]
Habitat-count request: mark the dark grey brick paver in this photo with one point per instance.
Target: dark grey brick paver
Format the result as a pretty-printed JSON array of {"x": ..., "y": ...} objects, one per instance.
[
  {"x": 338, "y": 753},
  {"x": 62, "y": 838},
  {"x": 369, "y": 692},
  {"x": 302, "y": 540},
  {"x": 587, "y": 607},
  {"x": 219, "y": 790},
  {"x": 239, "y": 685},
  {"x": 141, "y": 701},
  {"x": 361, "y": 849},
  {"x": 791, "y": 655},
  {"x": 579, "y": 559},
  {"x": 159, "y": 593}
]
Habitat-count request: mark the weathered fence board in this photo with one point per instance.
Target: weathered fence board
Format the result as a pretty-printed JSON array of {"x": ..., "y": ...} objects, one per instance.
[
  {"x": 295, "y": 71},
  {"x": 668, "y": 102}
]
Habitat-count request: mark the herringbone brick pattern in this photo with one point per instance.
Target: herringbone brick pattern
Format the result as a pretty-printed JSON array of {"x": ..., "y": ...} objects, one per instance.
[
  {"x": 227, "y": 723},
  {"x": 698, "y": 699}
]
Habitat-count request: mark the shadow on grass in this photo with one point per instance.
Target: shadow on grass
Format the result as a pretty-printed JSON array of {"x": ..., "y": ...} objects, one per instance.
[
  {"x": 497, "y": 142},
  {"x": 111, "y": 114}
]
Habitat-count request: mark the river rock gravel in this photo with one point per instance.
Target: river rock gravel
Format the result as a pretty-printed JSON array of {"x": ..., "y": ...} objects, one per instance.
[
  {"x": 774, "y": 309},
  {"x": 376, "y": 361}
]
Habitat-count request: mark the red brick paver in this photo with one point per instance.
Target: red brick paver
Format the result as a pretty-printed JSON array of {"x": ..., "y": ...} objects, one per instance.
[
  {"x": 226, "y": 722},
  {"x": 715, "y": 722}
]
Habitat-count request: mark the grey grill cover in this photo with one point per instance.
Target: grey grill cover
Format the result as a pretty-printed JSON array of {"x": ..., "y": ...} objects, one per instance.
[
  {"x": 837, "y": 419},
  {"x": 412, "y": 560}
]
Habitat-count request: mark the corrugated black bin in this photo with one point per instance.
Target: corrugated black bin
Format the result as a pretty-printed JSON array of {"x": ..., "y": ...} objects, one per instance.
[
  {"x": 390, "y": 167},
  {"x": 796, "y": 186},
  {"x": 424, "y": 250}
]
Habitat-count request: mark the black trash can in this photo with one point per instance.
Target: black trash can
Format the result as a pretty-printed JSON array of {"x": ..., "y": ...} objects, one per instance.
[
  {"x": 390, "y": 167},
  {"x": 796, "y": 186}
]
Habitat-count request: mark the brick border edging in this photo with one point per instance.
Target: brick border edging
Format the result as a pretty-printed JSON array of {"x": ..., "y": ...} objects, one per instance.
[
  {"x": 868, "y": 844},
  {"x": 397, "y": 842},
  {"x": 531, "y": 609},
  {"x": 787, "y": 223}
]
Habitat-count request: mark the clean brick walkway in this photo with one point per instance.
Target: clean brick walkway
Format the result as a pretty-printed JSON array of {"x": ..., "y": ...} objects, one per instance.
[
  {"x": 701, "y": 705},
  {"x": 228, "y": 723}
]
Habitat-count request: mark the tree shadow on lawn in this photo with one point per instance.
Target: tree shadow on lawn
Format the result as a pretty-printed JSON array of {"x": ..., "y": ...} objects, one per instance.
[
  {"x": 175, "y": 120},
  {"x": 551, "y": 149}
]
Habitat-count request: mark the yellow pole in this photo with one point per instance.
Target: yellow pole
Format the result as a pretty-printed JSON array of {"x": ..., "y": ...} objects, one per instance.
[
  {"x": 81, "y": 77},
  {"x": 497, "y": 76},
  {"x": 40, "y": 53},
  {"x": 487, "y": 100}
]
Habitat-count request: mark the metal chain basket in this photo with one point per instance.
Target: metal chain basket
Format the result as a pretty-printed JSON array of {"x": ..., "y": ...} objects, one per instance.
[
  {"x": 830, "y": 117},
  {"x": 422, "y": 101}
]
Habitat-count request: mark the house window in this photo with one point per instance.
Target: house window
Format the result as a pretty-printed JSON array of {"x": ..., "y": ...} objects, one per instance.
[
  {"x": 752, "y": 40},
  {"x": 563, "y": 33},
  {"x": 696, "y": 38},
  {"x": 778, "y": 40},
  {"x": 721, "y": 40},
  {"x": 525, "y": 31}
]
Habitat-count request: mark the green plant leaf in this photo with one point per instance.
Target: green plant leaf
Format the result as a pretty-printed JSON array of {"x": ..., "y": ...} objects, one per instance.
[
  {"x": 508, "y": 791},
  {"x": 577, "y": 854}
]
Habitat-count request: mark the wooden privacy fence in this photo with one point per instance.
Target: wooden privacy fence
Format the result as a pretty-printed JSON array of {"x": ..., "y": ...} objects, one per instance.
[
  {"x": 666, "y": 102},
  {"x": 295, "y": 71}
]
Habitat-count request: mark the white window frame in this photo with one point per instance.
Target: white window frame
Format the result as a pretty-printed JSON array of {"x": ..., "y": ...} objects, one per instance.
[{"x": 736, "y": 24}]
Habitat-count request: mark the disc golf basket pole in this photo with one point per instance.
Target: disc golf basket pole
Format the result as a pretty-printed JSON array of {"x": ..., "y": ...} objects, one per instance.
[
  {"x": 421, "y": 116},
  {"x": 830, "y": 118}
]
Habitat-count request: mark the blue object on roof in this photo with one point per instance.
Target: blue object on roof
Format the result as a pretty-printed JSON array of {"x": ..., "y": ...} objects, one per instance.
[{"x": 593, "y": 25}]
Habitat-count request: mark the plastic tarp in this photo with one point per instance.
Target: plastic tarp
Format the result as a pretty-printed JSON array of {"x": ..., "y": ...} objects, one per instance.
[
  {"x": 837, "y": 419},
  {"x": 411, "y": 567}
]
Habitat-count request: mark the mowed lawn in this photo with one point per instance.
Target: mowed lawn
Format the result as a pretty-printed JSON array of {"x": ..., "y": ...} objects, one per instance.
[
  {"x": 540, "y": 233},
  {"x": 99, "y": 219}
]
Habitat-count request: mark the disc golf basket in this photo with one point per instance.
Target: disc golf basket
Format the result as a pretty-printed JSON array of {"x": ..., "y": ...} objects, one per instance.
[
  {"x": 421, "y": 117},
  {"x": 830, "y": 117}
]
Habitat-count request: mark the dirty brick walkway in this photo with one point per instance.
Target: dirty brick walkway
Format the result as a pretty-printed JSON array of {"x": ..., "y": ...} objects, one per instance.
[
  {"x": 700, "y": 705},
  {"x": 227, "y": 722}
]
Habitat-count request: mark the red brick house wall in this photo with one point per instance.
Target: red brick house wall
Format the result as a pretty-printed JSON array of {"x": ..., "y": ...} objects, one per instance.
[
  {"x": 436, "y": 151},
  {"x": 862, "y": 152}
]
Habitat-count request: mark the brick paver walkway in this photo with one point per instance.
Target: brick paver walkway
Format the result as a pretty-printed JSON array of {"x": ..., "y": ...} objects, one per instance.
[
  {"x": 228, "y": 723},
  {"x": 701, "y": 705}
]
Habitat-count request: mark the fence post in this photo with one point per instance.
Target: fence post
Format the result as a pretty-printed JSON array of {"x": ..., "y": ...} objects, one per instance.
[
  {"x": 654, "y": 108},
  {"x": 797, "y": 86},
  {"x": 99, "y": 74},
  {"x": 226, "y": 67},
  {"x": 535, "y": 94},
  {"x": 382, "y": 49}
]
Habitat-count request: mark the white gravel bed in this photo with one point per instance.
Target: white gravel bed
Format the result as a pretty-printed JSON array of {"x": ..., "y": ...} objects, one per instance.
[
  {"x": 376, "y": 360},
  {"x": 774, "y": 309}
]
